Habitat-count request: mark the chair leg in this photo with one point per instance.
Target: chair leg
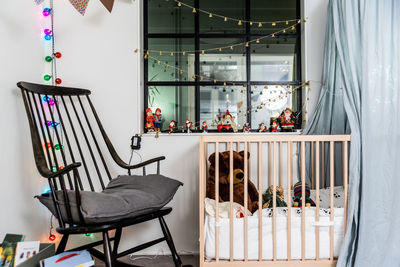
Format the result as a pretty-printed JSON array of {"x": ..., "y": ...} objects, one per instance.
[
  {"x": 170, "y": 242},
  {"x": 117, "y": 239},
  {"x": 109, "y": 259},
  {"x": 62, "y": 244}
]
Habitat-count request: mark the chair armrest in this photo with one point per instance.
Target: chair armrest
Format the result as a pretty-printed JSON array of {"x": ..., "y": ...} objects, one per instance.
[
  {"x": 49, "y": 174},
  {"x": 144, "y": 163}
]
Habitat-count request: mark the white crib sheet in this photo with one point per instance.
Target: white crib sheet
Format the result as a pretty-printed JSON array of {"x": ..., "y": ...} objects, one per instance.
[{"x": 281, "y": 232}]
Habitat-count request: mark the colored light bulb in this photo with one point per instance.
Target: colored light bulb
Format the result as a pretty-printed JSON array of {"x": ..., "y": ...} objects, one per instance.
[
  {"x": 49, "y": 123},
  {"x": 48, "y": 143},
  {"x": 51, "y": 102},
  {"x": 58, "y": 81},
  {"x": 54, "y": 169},
  {"x": 47, "y": 77},
  {"x": 46, "y": 11},
  {"x": 48, "y": 59},
  {"x": 57, "y": 54},
  {"x": 52, "y": 237},
  {"x": 58, "y": 147},
  {"x": 61, "y": 167},
  {"x": 55, "y": 124},
  {"x": 47, "y": 31},
  {"x": 88, "y": 234},
  {"x": 47, "y": 37}
]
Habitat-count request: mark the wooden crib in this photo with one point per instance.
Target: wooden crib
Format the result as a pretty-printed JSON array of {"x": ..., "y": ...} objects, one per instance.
[{"x": 274, "y": 157}]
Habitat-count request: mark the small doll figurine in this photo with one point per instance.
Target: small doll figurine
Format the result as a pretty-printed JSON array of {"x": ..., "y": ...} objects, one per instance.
[
  {"x": 149, "y": 120},
  {"x": 204, "y": 127},
  {"x": 274, "y": 126},
  {"x": 287, "y": 120},
  {"x": 246, "y": 128},
  {"x": 262, "y": 128},
  {"x": 157, "y": 121},
  {"x": 188, "y": 125},
  {"x": 171, "y": 126},
  {"x": 298, "y": 194}
]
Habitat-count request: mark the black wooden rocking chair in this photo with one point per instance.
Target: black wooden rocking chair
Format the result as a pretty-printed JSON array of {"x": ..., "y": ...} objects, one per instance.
[{"x": 64, "y": 118}]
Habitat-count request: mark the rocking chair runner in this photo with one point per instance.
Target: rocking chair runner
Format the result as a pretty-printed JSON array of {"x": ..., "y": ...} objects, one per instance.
[{"x": 64, "y": 118}]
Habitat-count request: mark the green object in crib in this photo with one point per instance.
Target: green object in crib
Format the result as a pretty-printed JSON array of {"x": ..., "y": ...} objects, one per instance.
[{"x": 268, "y": 196}]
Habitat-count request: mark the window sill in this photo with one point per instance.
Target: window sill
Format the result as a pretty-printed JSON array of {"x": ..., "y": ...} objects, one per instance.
[{"x": 217, "y": 134}]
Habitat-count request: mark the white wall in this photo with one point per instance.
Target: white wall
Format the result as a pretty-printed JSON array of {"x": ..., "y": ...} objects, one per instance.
[{"x": 98, "y": 54}]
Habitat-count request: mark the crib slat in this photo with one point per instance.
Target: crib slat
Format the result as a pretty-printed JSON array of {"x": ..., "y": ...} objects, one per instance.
[
  {"x": 245, "y": 201},
  {"x": 303, "y": 202},
  {"x": 317, "y": 200},
  {"x": 332, "y": 184},
  {"x": 260, "y": 191},
  {"x": 274, "y": 202},
  {"x": 202, "y": 177},
  {"x": 345, "y": 178},
  {"x": 238, "y": 146},
  {"x": 289, "y": 200},
  {"x": 269, "y": 164},
  {"x": 323, "y": 164},
  {"x": 312, "y": 166},
  {"x": 280, "y": 163},
  {"x": 231, "y": 201},
  {"x": 216, "y": 201}
]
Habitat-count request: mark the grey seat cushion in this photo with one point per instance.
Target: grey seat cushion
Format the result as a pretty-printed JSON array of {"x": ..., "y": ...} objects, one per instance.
[{"x": 124, "y": 197}]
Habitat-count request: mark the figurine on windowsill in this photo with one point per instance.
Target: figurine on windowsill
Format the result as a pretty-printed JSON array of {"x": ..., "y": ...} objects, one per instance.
[
  {"x": 157, "y": 121},
  {"x": 188, "y": 125},
  {"x": 171, "y": 126},
  {"x": 262, "y": 128},
  {"x": 246, "y": 127},
  {"x": 204, "y": 127},
  {"x": 227, "y": 123},
  {"x": 274, "y": 126},
  {"x": 149, "y": 120},
  {"x": 287, "y": 120}
]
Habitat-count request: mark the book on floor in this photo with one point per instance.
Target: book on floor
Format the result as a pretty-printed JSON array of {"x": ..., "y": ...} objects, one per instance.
[
  {"x": 25, "y": 250},
  {"x": 70, "y": 259},
  {"x": 7, "y": 249}
]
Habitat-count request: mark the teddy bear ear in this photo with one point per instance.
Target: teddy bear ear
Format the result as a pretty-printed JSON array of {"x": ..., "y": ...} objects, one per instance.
[
  {"x": 211, "y": 159},
  {"x": 242, "y": 154}
]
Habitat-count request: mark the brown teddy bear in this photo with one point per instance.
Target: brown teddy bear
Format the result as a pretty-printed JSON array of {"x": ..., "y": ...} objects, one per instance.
[{"x": 238, "y": 180}]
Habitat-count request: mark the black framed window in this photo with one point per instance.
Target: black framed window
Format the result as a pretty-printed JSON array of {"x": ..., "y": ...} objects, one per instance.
[{"x": 236, "y": 79}]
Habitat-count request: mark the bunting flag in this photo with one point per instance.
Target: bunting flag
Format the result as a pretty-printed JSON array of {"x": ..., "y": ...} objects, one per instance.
[
  {"x": 80, "y": 5},
  {"x": 108, "y": 4},
  {"x": 38, "y": 2}
]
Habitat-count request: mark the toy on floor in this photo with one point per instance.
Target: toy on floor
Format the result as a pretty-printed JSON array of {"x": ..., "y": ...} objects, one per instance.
[
  {"x": 297, "y": 196},
  {"x": 268, "y": 197},
  {"x": 224, "y": 180}
]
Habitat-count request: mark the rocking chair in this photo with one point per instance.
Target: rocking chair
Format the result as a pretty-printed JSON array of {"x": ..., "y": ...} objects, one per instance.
[{"x": 57, "y": 115}]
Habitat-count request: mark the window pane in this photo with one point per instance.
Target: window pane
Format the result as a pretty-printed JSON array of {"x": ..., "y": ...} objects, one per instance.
[
  {"x": 268, "y": 102},
  {"x": 272, "y": 10},
  {"x": 227, "y": 65},
  {"x": 231, "y": 8},
  {"x": 159, "y": 72},
  {"x": 167, "y": 17},
  {"x": 274, "y": 60},
  {"x": 176, "y": 103},
  {"x": 216, "y": 100}
]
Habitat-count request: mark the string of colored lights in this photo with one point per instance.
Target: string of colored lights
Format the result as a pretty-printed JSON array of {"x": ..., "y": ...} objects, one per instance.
[
  {"x": 221, "y": 48},
  {"x": 227, "y": 18}
]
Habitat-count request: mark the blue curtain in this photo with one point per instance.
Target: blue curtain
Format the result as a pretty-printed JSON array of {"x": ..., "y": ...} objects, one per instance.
[{"x": 367, "y": 37}]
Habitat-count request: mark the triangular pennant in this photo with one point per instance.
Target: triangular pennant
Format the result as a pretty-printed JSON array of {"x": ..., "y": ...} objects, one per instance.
[
  {"x": 108, "y": 4},
  {"x": 80, "y": 5},
  {"x": 38, "y": 2}
]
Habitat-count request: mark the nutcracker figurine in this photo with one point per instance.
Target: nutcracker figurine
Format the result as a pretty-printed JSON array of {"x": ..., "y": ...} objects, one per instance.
[
  {"x": 172, "y": 126},
  {"x": 204, "y": 127},
  {"x": 188, "y": 125},
  {"x": 149, "y": 120},
  {"x": 157, "y": 121}
]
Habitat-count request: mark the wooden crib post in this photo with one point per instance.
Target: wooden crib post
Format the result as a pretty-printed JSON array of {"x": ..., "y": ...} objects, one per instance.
[
  {"x": 216, "y": 201},
  {"x": 281, "y": 163},
  {"x": 231, "y": 201},
  {"x": 312, "y": 165},
  {"x": 345, "y": 181},
  {"x": 289, "y": 200},
  {"x": 303, "y": 202},
  {"x": 202, "y": 176},
  {"x": 317, "y": 200},
  {"x": 269, "y": 164},
  {"x": 323, "y": 164},
  {"x": 260, "y": 192},
  {"x": 332, "y": 185},
  {"x": 246, "y": 243},
  {"x": 274, "y": 202}
]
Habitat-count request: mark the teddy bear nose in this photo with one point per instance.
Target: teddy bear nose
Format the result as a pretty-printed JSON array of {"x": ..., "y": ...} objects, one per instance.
[{"x": 240, "y": 175}]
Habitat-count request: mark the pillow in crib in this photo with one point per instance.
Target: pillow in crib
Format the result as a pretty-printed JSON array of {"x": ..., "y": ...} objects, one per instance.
[
  {"x": 325, "y": 200},
  {"x": 223, "y": 209}
]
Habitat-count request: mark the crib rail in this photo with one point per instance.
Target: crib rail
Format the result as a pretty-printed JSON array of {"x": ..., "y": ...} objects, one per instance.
[{"x": 275, "y": 159}]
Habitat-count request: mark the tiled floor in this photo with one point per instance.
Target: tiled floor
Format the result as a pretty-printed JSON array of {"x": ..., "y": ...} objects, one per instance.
[{"x": 159, "y": 261}]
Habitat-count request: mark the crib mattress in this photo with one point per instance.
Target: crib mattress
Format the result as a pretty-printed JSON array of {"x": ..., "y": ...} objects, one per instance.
[{"x": 281, "y": 235}]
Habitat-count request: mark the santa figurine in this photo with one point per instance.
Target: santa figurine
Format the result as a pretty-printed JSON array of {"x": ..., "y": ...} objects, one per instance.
[
  {"x": 188, "y": 125},
  {"x": 157, "y": 121},
  {"x": 246, "y": 127},
  {"x": 204, "y": 127},
  {"x": 149, "y": 120},
  {"x": 171, "y": 126},
  {"x": 287, "y": 120},
  {"x": 227, "y": 123},
  {"x": 262, "y": 128},
  {"x": 274, "y": 126}
]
